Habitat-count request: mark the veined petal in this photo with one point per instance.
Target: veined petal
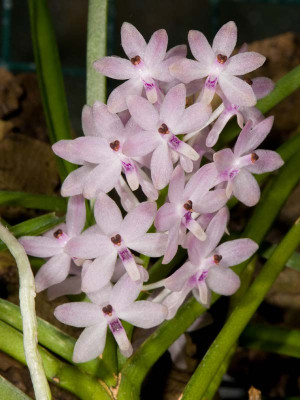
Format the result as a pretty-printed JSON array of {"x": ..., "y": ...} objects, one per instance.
[
  {"x": 183, "y": 148},
  {"x": 249, "y": 140},
  {"x": 235, "y": 251},
  {"x": 55, "y": 270},
  {"x": 177, "y": 280},
  {"x": 74, "y": 182},
  {"x": 130, "y": 171},
  {"x": 173, "y": 242},
  {"x": 115, "y": 67},
  {"x": 88, "y": 126},
  {"x": 143, "y": 112},
  {"x": 176, "y": 186},
  {"x": 144, "y": 314},
  {"x": 76, "y": 214},
  {"x": 223, "y": 281},
  {"x": 156, "y": 48},
  {"x": 150, "y": 244},
  {"x": 129, "y": 263},
  {"x": 107, "y": 214},
  {"x": 107, "y": 124},
  {"x": 90, "y": 343},
  {"x": 173, "y": 105},
  {"x": 211, "y": 202},
  {"x": 161, "y": 166},
  {"x": 194, "y": 117},
  {"x": 194, "y": 227},
  {"x": 79, "y": 314},
  {"x": 187, "y": 70},
  {"x": 243, "y": 63},
  {"x": 65, "y": 149},
  {"x": 88, "y": 246},
  {"x": 268, "y": 161},
  {"x": 237, "y": 91},
  {"x": 132, "y": 41},
  {"x": 225, "y": 39},
  {"x": 166, "y": 217},
  {"x": 141, "y": 144},
  {"x": 102, "y": 296},
  {"x": 200, "y": 48},
  {"x": 200, "y": 183},
  {"x": 246, "y": 189},
  {"x": 41, "y": 246},
  {"x": 102, "y": 178},
  {"x": 138, "y": 221},
  {"x": 224, "y": 160},
  {"x": 116, "y": 101}
]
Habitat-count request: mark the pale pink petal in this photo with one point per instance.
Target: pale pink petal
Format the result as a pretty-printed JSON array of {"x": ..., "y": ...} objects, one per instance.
[
  {"x": 203, "y": 180},
  {"x": 217, "y": 128},
  {"x": 143, "y": 112},
  {"x": 55, "y": 270},
  {"x": 223, "y": 281},
  {"x": 138, "y": 221},
  {"x": 65, "y": 149},
  {"x": 177, "y": 51},
  {"x": 71, "y": 285},
  {"x": 74, "y": 182},
  {"x": 146, "y": 185},
  {"x": 176, "y": 186},
  {"x": 115, "y": 67},
  {"x": 151, "y": 244},
  {"x": 243, "y": 63},
  {"x": 144, "y": 314},
  {"x": 262, "y": 87},
  {"x": 102, "y": 178},
  {"x": 213, "y": 201},
  {"x": 174, "y": 301},
  {"x": 237, "y": 91},
  {"x": 88, "y": 246},
  {"x": 194, "y": 117},
  {"x": 224, "y": 160},
  {"x": 178, "y": 353},
  {"x": 235, "y": 252},
  {"x": 102, "y": 296},
  {"x": 188, "y": 70},
  {"x": 182, "y": 148},
  {"x": 173, "y": 241},
  {"x": 166, "y": 217},
  {"x": 200, "y": 48},
  {"x": 202, "y": 294},
  {"x": 141, "y": 144},
  {"x": 161, "y": 166},
  {"x": 186, "y": 163},
  {"x": 133, "y": 42},
  {"x": 156, "y": 48},
  {"x": 107, "y": 214},
  {"x": 246, "y": 189},
  {"x": 79, "y": 314},
  {"x": 176, "y": 281},
  {"x": 90, "y": 343},
  {"x": 116, "y": 101},
  {"x": 129, "y": 263},
  {"x": 121, "y": 338},
  {"x": 88, "y": 126},
  {"x": 225, "y": 39},
  {"x": 107, "y": 124},
  {"x": 127, "y": 198},
  {"x": 249, "y": 140},
  {"x": 41, "y": 246},
  {"x": 173, "y": 106},
  {"x": 99, "y": 272},
  {"x": 268, "y": 161},
  {"x": 76, "y": 213}
]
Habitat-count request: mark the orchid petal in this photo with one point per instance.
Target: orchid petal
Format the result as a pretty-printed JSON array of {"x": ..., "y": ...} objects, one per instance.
[
  {"x": 161, "y": 166},
  {"x": 133, "y": 42},
  {"x": 150, "y": 244},
  {"x": 55, "y": 270},
  {"x": 173, "y": 105},
  {"x": 237, "y": 91},
  {"x": 235, "y": 251},
  {"x": 141, "y": 144},
  {"x": 243, "y": 63},
  {"x": 225, "y": 39},
  {"x": 193, "y": 118},
  {"x": 246, "y": 189},
  {"x": 200, "y": 48},
  {"x": 78, "y": 314},
  {"x": 223, "y": 281},
  {"x": 107, "y": 124},
  {"x": 107, "y": 214},
  {"x": 173, "y": 242},
  {"x": 115, "y": 67},
  {"x": 88, "y": 126},
  {"x": 90, "y": 343},
  {"x": 186, "y": 70},
  {"x": 268, "y": 161},
  {"x": 74, "y": 182},
  {"x": 116, "y": 101},
  {"x": 144, "y": 314},
  {"x": 88, "y": 246},
  {"x": 71, "y": 285},
  {"x": 176, "y": 186},
  {"x": 76, "y": 213},
  {"x": 41, "y": 246},
  {"x": 166, "y": 217},
  {"x": 156, "y": 48},
  {"x": 138, "y": 221},
  {"x": 143, "y": 112},
  {"x": 262, "y": 87}
]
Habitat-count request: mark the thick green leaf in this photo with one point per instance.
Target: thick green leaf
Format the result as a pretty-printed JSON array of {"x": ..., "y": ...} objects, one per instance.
[
  {"x": 8, "y": 391},
  {"x": 50, "y": 77},
  {"x": 30, "y": 200}
]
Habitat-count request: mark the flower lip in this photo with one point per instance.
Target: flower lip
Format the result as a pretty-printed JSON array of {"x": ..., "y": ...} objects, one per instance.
[
  {"x": 254, "y": 157},
  {"x": 135, "y": 60},
  {"x": 57, "y": 234},
  {"x": 163, "y": 129},
  {"x": 217, "y": 258},
  {"x": 116, "y": 239},
  {"x": 188, "y": 205},
  {"x": 221, "y": 58},
  {"x": 249, "y": 81},
  {"x": 107, "y": 310},
  {"x": 115, "y": 145}
]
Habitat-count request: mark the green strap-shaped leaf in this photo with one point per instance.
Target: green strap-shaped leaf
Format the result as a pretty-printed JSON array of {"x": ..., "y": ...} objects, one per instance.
[
  {"x": 30, "y": 200},
  {"x": 50, "y": 77},
  {"x": 241, "y": 315},
  {"x": 8, "y": 391}
]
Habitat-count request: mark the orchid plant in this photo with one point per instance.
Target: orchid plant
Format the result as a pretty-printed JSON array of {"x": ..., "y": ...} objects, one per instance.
[{"x": 159, "y": 132}]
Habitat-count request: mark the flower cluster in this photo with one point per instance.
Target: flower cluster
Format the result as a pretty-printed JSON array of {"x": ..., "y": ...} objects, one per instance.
[{"x": 150, "y": 135}]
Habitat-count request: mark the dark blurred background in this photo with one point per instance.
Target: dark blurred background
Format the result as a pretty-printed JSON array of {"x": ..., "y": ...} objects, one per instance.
[{"x": 255, "y": 19}]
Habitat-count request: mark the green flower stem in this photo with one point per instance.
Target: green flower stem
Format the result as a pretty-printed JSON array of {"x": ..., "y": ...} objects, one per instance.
[
  {"x": 57, "y": 372},
  {"x": 9, "y": 391},
  {"x": 241, "y": 315},
  {"x": 27, "y": 305},
  {"x": 96, "y": 48},
  {"x": 272, "y": 338},
  {"x": 50, "y": 77},
  {"x": 273, "y": 198},
  {"x": 30, "y": 200},
  {"x": 55, "y": 340},
  {"x": 34, "y": 226},
  {"x": 288, "y": 84}
]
